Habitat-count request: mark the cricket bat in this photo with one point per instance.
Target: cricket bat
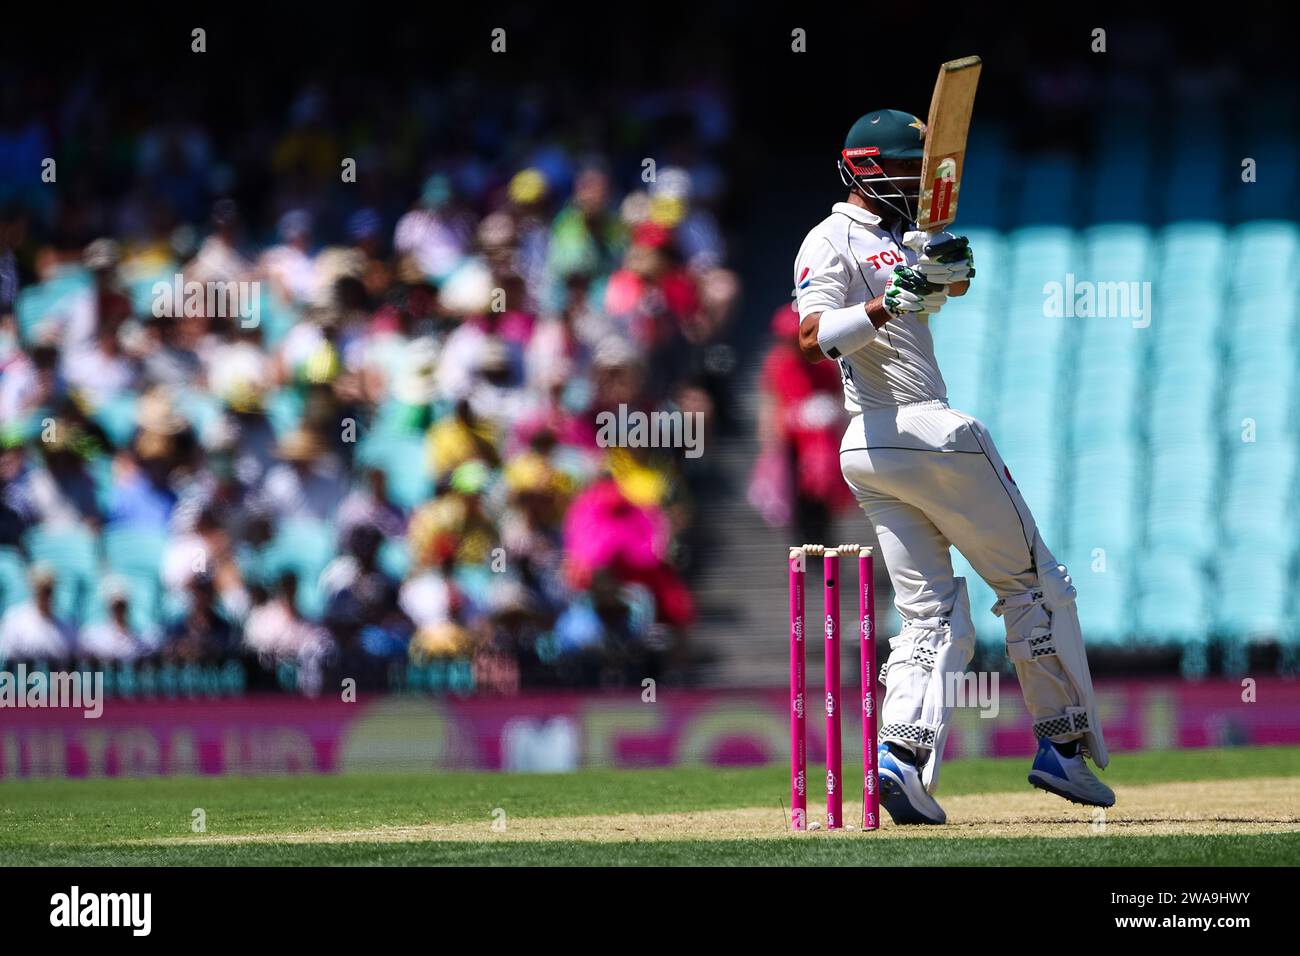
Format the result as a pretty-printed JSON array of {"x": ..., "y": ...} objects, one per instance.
[{"x": 945, "y": 142}]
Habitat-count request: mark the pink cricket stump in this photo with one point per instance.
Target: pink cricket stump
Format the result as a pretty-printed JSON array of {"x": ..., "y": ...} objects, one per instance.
[
  {"x": 870, "y": 759},
  {"x": 834, "y": 757},
  {"x": 798, "y": 690}
]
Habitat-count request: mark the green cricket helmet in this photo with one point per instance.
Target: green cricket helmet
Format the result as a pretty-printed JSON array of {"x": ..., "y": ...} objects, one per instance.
[{"x": 884, "y": 134}]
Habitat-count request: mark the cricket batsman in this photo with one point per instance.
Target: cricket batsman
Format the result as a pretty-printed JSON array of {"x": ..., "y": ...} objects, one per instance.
[{"x": 929, "y": 477}]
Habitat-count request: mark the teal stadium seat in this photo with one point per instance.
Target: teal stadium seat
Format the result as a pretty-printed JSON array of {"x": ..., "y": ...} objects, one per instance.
[
  {"x": 1102, "y": 509},
  {"x": 1182, "y": 502},
  {"x": 140, "y": 287},
  {"x": 305, "y": 548},
  {"x": 1193, "y": 167},
  {"x": 1191, "y": 261},
  {"x": 402, "y": 459},
  {"x": 117, "y": 417},
  {"x": 1180, "y": 408},
  {"x": 1274, "y": 191},
  {"x": 1260, "y": 486},
  {"x": 1121, "y": 173},
  {"x": 1171, "y": 603},
  {"x": 51, "y": 299},
  {"x": 276, "y": 318},
  {"x": 1118, "y": 251},
  {"x": 201, "y": 409},
  {"x": 72, "y": 552},
  {"x": 1251, "y": 595},
  {"x": 966, "y": 331},
  {"x": 13, "y": 579},
  {"x": 1047, "y": 191},
  {"x": 1268, "y": 250},
  {"x": 134, "y": 553},
  {"x": 1105, "y": 592},
  {"x": 144, "y": 604},
  {"x": 394, "y": 557},
  {"x": 284, "y": 409},
  {"x": 1104, "y": 406},
  {"x": 986, "y": 165}
]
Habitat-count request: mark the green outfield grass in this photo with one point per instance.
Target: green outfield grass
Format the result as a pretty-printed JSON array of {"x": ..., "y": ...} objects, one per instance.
[{"x": 111, "y": 822}]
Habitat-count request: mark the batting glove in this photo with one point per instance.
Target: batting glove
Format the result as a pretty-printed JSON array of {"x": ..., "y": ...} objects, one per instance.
[
  {"x": 942, "y": 257},
  {"x": 909, "y": 291}
]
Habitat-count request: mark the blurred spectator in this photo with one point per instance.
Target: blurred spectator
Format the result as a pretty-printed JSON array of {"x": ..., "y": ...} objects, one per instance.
[
  {"x": 54, "y": 489},
  {"x": 397, "y": 462},
  {"x": 206, "y": 553},
  {"x": 586, "y": 236},
  {"x": 101, "y": 370},
  {"x": 104, "y": 304},
  {"x": 203, "y": 635},
  {"x": 801, "y": 422},
  {"x": 369, "y": 504},
  {"x": 218, "y": 258},
  {"x": 113, "y": 639},
  {"x": 362, "y": 609},
  {"x": 430, "y": 233},
  {"x": 278, "y": 632},
  {"x": 30, "y": 630},
  {"x": 289, "y": 266},
  {"x": 306, "y": 484}
]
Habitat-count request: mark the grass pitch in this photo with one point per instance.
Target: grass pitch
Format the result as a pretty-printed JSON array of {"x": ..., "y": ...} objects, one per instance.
[{"x": 1201, "y": 808}]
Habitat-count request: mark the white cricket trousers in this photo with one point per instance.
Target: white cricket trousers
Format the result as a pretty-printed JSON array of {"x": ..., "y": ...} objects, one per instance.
[{"x": 928, "y": 477}]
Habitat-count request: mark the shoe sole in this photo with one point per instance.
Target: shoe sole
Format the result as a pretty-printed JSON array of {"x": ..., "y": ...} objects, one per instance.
[
  {"x": 891, "y": 792},
  {"x": 1065, "y": 794}
]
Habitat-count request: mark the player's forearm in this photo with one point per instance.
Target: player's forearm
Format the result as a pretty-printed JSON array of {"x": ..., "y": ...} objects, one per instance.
[{"x": 837, "y": 332}]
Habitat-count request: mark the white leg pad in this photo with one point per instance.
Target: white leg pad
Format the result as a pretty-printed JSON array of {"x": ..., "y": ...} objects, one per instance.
[{"x": 916, "y": 712}]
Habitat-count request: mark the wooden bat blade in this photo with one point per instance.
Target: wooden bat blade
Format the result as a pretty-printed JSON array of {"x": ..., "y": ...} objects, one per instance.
[{"x": 945, "y": 142}]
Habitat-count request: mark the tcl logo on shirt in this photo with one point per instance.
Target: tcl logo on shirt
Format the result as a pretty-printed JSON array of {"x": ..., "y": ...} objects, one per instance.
[{"x": 890, "y": 257}]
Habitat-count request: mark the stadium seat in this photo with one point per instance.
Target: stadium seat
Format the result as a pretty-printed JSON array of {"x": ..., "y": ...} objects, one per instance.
[
  {"x": 284, "y": 408},
  {"x": 1251, "y": 595},
  {"x": 201, "y": 409},
  {"x": 1191, "y": 258},
  {"x": 986, "y": 162},
  {"x": 1105, "y": 596},
  {"x": 1046, "y": 191},
  {"x": 305, "y": 548},
  {"x": 1268, "y": 250},
  {"x": 401, "y": 457},
  {"x": 394, "y": 557},
  {"x": 1121, "y": 178},
  {"x": 134, "y": 553},
  {"x": 14, "y": 588},
  {"x": 49, "y": 300},
  {"x": 1115, "y": 252},
  {"x": 117, "y": 417},
  {"x": 1193, "y": 168},
  {"x": 72, "y": 553},
  {"x": 1171, "y": 603},
  {"x": 1273, "y": 192}
]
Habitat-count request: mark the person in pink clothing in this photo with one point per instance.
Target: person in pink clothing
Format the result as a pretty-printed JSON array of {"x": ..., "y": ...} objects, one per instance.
[{"x": 800, "y": 423}]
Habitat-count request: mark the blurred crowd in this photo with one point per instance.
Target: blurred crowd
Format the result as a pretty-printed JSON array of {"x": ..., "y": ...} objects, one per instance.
[{"x": 371, "y": 440}]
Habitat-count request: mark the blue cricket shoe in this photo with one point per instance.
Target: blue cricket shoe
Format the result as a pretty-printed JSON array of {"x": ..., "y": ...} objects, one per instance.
[
  {"x": 1068, "y": 776},
  {"x": 903, "y": 794}
]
